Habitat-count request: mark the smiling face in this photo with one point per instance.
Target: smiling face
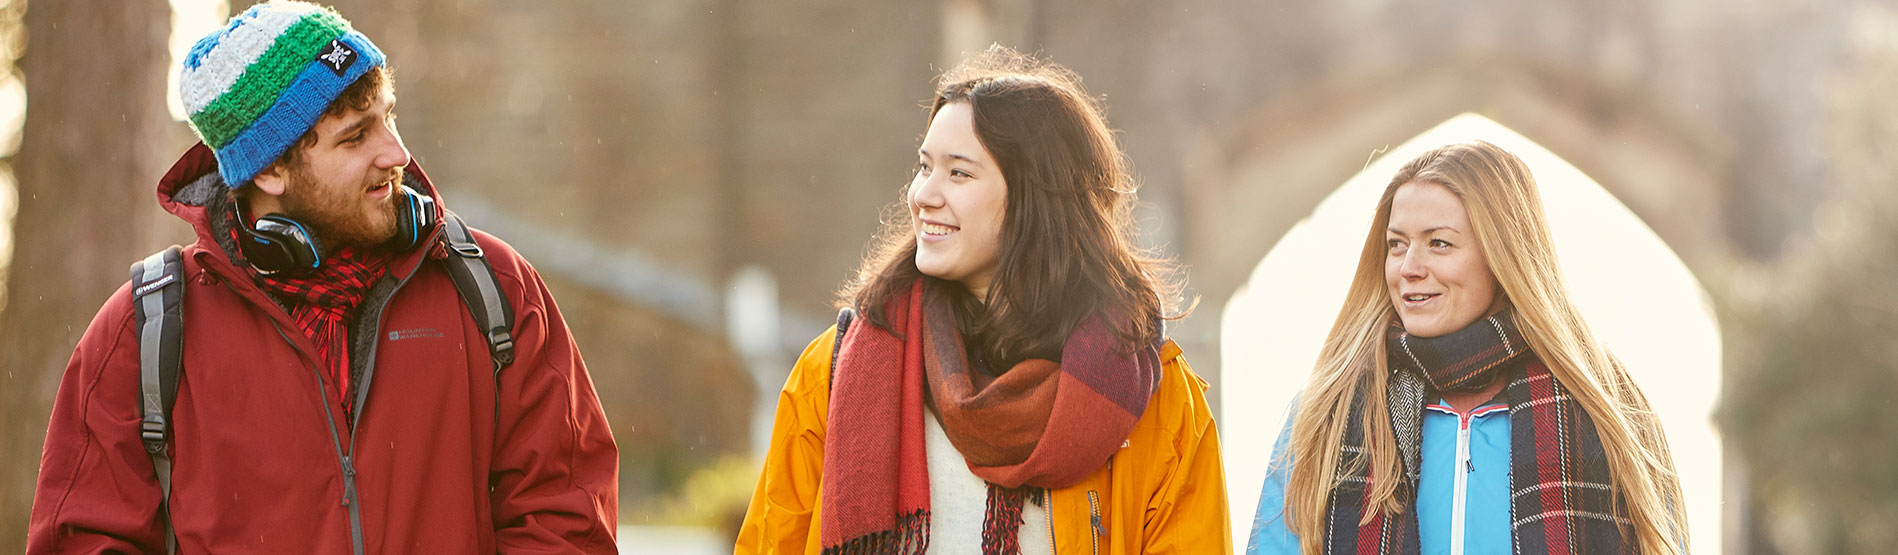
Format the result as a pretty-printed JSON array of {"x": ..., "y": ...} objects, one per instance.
[
  {"x": 343, "y": 185},
  {"x": 1435, "y": 271},
  {"x": 956, "y": 202}
]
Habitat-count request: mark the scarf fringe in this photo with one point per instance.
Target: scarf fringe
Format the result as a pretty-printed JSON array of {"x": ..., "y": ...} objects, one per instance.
[
  {"x": 1001, "y": 522},
  {"x": 911, "y": 536}
]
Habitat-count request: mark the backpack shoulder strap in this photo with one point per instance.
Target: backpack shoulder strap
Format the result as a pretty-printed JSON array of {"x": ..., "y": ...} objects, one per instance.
[
  {"x": 158, "y": 300},
  {"x": 474, "y": 279}
]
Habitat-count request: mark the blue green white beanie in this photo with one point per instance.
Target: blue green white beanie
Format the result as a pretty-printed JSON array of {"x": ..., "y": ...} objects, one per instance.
[{"x": 257, "y": 85}]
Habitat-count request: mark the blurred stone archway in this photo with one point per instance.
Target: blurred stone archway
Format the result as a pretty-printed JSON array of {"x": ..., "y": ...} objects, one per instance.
[{"x": 1641, "y": 300}]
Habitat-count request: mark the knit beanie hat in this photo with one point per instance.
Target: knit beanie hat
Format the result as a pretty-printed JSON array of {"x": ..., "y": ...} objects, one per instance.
[{"x": 257, "y": 85}]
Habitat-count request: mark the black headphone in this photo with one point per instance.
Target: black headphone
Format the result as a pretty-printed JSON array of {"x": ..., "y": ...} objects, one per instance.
[{"x": 277, "y": 243}]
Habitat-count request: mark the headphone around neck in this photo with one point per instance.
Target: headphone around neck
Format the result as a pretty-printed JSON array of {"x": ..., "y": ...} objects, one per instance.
[{"x": 278, "y": 243}]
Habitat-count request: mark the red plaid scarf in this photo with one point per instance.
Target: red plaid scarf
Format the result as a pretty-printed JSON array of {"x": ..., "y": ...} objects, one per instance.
[
  {"x": 1561, "y": 498},
  {"x": 324, "y": 302},
  {"x": 875, "y": 491}
]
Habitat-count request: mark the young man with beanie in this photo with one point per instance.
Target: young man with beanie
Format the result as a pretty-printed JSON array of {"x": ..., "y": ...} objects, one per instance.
[{"x": 336, "y": 394}]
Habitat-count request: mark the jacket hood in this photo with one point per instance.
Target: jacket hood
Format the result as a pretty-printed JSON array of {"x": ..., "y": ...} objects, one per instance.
[{"x": 193, "y": 185}]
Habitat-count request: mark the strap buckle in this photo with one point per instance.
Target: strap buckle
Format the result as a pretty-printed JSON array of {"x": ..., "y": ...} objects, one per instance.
[
  {"x": 500, "y": 349},
  {"x": 152, "y": 431},
  {"x": 501, "y": 339},
  {"x": 466, "y": 250}
]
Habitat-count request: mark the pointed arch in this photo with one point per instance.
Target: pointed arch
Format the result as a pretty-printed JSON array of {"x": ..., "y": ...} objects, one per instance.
[{"x": 1638, "y": 294}]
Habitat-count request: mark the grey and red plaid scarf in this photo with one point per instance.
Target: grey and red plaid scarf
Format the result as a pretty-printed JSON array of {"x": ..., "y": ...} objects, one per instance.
[
  {"x": 1561, "y": 498},
  {"x": 1039, "y": 425},
  {"x": 323, "y": 301}
]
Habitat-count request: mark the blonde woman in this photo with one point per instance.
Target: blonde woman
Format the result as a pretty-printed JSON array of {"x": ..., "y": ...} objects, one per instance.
[{"x": 1460, "y": 404}]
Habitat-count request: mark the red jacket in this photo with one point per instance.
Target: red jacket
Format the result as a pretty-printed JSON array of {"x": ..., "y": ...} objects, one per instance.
[{"x": 443, "y": 464}]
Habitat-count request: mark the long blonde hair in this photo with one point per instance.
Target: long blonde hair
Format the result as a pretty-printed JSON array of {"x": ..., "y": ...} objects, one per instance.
[{"x": 1506, "y": 216}]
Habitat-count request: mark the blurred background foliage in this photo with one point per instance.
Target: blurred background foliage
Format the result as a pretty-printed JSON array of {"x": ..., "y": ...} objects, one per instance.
[{"x": 1810, "y": 402}]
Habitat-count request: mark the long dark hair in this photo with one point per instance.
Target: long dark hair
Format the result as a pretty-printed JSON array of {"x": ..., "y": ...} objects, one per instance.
[{"x": 1066, "y": 244}]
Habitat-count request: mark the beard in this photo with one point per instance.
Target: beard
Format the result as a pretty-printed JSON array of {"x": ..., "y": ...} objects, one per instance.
[{"x": 340, "y": 216}]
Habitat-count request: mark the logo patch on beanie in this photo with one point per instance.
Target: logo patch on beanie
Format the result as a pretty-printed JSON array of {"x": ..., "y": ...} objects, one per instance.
[{"x": 338, "y": 57}]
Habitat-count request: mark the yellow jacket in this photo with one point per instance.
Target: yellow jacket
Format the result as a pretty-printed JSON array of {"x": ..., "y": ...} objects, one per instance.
[{"x": 1164, "y": 492}]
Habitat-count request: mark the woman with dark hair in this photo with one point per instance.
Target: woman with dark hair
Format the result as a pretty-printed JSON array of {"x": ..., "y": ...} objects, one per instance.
[{"x": 999, "y": 380}]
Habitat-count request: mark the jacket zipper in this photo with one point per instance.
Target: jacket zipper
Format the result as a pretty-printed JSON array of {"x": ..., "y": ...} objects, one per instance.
[
  {"x": 343, "y": 461},
  {"x": 1461, "y": 492},
  {"x": 362, "y": 400},
  {"x": 1094, "y": 519},
  {"x": 1465, "y": 464},
  {"x": 346, "y": 459},
  {"x": 347, "y": 466},
  {"x": 1047, "y": 500}
]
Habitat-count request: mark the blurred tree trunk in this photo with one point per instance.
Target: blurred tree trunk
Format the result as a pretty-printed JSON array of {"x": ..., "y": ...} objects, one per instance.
[{"x": 96, "y": 139}]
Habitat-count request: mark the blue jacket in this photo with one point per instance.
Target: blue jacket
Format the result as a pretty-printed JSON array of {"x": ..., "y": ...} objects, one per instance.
[{"x": 1463, "y": 490}]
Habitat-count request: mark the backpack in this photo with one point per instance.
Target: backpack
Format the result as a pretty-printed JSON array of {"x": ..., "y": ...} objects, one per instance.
[{"x": 158, "y": 302}]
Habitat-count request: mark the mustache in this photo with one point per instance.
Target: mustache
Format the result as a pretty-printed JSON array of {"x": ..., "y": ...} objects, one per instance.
[{"x": 396, "y": 175}]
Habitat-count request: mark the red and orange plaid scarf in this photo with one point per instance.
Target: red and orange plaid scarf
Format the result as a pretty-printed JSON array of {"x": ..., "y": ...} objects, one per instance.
[
  {"x": 323, "y": 302},
  {"x": 1041, "y": 424},
  {"x": 1561, "y": 498}
]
